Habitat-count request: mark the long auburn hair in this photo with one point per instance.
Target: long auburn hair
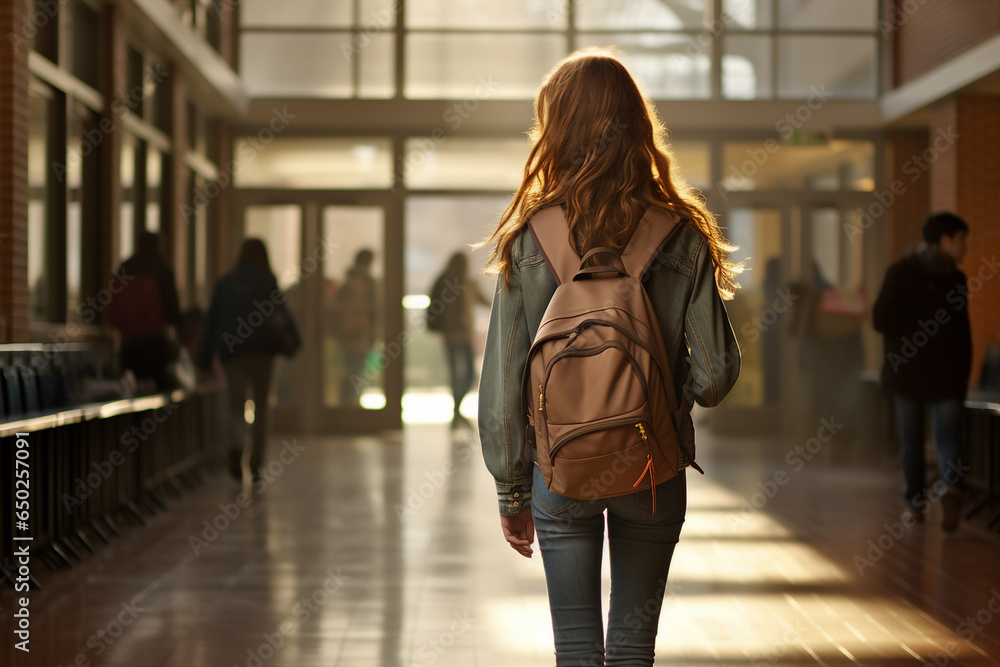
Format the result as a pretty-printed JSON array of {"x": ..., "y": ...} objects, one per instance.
[{"x": 600, "y": 150}]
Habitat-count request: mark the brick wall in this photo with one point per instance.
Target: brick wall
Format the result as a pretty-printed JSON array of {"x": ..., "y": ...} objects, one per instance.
[
  {"x": 966, "y": 181},
  {"x": 977, "y": 183},
  {"x": 905, "y": 152},
  {"x": 923, "y": 34},
  {"x": 14, "y": 305}
]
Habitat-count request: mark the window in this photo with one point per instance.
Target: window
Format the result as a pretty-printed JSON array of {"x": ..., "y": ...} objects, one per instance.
[
  {"x": 667, "y": 65},
  {"x": 128, "y": 215},
  {"x": 642, "y": 14},
  {"x": 281, "y": 42},
  {"x": 461, "y": 164},
  {"x": 793, "y": 61},
  {"x": 480, "y": 66},
  {"x": 313, "y": 162},
  {"x": 836, "y": 164},
  {"x": 770, "y": 48},
  {"x": 39, "y": 208},
  {"x": 80, "y": 36}
]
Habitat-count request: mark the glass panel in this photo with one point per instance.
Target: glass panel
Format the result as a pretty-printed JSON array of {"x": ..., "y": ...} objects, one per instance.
[
  {"x": 285, "y": 65},
  {"x": 38, "y": 182},
  {"x": 747, "y": 14},
  {"x": 280, "y": 228},
  {"x": 642, "y": 14},
  {"x": 126, "y": 215},
  {"x": 837, "y": 164},
  {"x": 746, "y": 68},
  {"x": 443, "y": 66},
  {"x": 353, "y": 298},
  {"x": 694, "y": 161},
  {"x": 666, "y": 66},
  {"x": 80, "y": 152},
  {"x": 452, "y": 14},
  {"x": 81, "y": 34},
  {"x": 134, "y": 81},
  {"x": 828, "y": 14},
  {"x": 314, "y": 162},
  {"x": 437, "y": 228},
  {"x": 197, "y": 238},
  {"x": 838, "y": 261},
  {"x": 831, "y": 349},
  {"x": 378, "y": 14},
  {"x": 757, "y": 310},
  {"x": 820, "y": 67},
  {"x": 377, "y": 66},
  {"x": 45, "y": 37},
  {"x": 154, "y": 166},
  {"x": 289, "y": 13},
  {"x": 465, "y": 164}
]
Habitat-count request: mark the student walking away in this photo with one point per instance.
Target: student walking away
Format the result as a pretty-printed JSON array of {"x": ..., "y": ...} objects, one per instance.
[
  {"x": 143, "y": 311},
  {"x": 921, "y": 312},
  {"x": 453, "y": 301},
  {"x": 246, "y": 326},
  {"x": 601, "y": 422},
  {"x": 354, "y": 321}
]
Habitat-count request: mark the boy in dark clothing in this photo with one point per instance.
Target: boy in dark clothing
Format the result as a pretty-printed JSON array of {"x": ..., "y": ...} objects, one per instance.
[{"x": 922, "y": 313}]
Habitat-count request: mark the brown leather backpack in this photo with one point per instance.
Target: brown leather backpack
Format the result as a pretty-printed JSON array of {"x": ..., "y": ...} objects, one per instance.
[{"x": 597, "y": 385}]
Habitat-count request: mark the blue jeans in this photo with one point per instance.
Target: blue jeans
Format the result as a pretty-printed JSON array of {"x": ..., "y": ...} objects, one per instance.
[
  {"x": 947, "y": 425},
  {"x": 641, "y": 545}
]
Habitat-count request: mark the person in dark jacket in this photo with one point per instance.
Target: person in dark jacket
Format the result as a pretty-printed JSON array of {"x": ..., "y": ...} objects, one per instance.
[
  {"x": 143, "y": 312},
  {"x": 921, "y": 311},
  {"x": 237, "y": 329}
]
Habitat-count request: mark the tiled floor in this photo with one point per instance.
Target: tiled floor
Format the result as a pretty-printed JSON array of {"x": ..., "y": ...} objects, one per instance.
[{"x": 366, "y": 552}]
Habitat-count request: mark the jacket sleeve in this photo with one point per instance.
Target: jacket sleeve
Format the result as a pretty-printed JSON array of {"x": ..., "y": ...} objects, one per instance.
[
  {"x": 502, "y": 419},
  {"x": 715, "y": 353}
]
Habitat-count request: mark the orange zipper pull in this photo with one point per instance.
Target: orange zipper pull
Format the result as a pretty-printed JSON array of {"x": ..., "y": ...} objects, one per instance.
[{"x": 649, "y": 468}]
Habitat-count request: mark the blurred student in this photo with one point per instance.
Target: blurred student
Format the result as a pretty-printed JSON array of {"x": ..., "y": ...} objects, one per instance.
[
  {"x": 354, "y": 312},
  {"x": 245, "y": 327},
  {"x": 922, "y": 313},
  {"x": 144, "y": 310},
  {"x": 453, "y": 302}
]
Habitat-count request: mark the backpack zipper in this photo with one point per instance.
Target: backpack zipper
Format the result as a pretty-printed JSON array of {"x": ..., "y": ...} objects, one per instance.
[
  {"x": 603, "y": 426},
  {"x": 649, "y": 467},
  {"x": 590, "y": 352},
  {"x": 584, "y": 430}
]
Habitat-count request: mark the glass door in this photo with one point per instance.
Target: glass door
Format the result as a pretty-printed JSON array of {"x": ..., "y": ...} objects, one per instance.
[
  {"x": 354, "y": 356},
  {"x": 800, "y": 314},
  {"x": 329, "y": 254},
  {"x": 763, "y": 317}
]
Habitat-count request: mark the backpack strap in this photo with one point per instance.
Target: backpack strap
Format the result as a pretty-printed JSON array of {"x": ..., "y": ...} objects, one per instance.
[
  {"x": 654, "y": 228},
  {"x": 550, "y": 231}
]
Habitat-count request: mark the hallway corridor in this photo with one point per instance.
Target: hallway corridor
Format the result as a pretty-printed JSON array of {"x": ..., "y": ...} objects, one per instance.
[{"x": 366, "y": 553}]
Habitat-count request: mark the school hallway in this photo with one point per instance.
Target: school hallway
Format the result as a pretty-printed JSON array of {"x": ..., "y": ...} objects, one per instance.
[{"x": 365, "y": 552}]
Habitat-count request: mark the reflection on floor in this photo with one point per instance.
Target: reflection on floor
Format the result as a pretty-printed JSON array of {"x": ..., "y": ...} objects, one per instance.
[{"x": 366, "y": 552}]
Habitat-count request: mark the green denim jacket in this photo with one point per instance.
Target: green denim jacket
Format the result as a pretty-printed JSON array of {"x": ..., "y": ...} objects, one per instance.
[{"x": 703, "y": 349}]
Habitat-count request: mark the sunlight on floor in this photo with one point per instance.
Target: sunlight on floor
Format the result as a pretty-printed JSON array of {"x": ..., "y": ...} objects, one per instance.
[
  {"x": 435, "y": 407},
  {"x": 743, "y": 589}
]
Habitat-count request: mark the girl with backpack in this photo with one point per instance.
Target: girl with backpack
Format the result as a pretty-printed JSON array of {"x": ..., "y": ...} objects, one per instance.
[{"x": 601, "y": 168}]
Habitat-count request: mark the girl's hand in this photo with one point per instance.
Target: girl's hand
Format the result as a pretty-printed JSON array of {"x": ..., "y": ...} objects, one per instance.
[{"x": 519, "y": 531}]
